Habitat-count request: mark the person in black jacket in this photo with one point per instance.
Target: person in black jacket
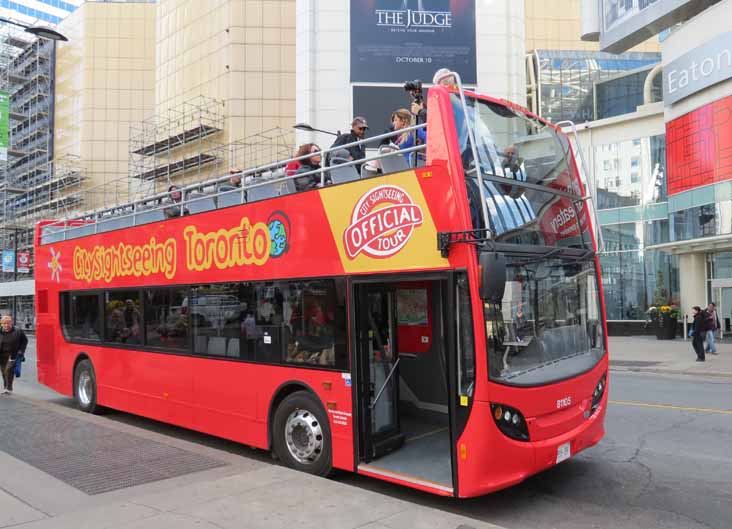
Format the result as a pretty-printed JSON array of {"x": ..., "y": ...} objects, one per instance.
[
  {"x": 700, "y": 329},
  {"x": 12, "y": 349},
  {"x": 358, "y": 132}
]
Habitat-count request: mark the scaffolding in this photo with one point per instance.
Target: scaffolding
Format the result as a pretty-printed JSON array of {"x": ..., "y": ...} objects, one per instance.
[
  {"x": 177, "y": 144},
  {"x": 31, "y": 187}
]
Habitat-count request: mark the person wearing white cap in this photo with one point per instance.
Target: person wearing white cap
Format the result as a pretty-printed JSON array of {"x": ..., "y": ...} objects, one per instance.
[
  {"x": 442, "y": 78},
  {"x": 358, "y": 132}
]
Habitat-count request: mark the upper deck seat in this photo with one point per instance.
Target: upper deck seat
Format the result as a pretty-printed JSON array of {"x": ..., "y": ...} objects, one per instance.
[
  {"x": 114, "y": 223},
  {"x": 230, "y": 196},
  {"x": 262, "y": 192},
  {"x": 285, "y": 187},
  {"x": 52, "y": 234},
  {"x": 394, "y": 163},
  {"x": 340, "y": 174},
  {"x": 80, "y": 231},
  {"x": 147, "y": 215},
  {"x": 198, "y": 203}
]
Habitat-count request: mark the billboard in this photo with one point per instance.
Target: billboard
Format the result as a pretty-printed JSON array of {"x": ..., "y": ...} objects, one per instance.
[
  {"x": 626, "y": 23},
  {"x": 395, "y": 41},
  {"x": 8, "y": 260},
  {"x": 24, "y": 262},
  {"x": 4, "y": 120},
  {"x": 699, "y": 147}
]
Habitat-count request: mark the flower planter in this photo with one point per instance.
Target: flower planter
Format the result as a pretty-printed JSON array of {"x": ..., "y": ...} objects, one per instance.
[{"x": 666, "y": 327}]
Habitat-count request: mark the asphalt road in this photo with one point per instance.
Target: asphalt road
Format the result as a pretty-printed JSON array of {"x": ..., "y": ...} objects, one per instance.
[{"x": 665, "y": 463}]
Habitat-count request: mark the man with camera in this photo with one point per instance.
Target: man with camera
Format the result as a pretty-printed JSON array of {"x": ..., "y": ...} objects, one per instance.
[{"x": 418, "y": 107}]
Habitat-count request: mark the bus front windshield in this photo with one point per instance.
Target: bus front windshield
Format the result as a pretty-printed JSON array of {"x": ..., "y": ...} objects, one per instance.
[{"x": 548, "y": 326}]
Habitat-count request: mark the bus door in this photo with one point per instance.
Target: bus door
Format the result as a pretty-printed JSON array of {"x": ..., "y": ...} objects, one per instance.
[
  {"x": 402, "y": 381},
  {"x": 379, "y": 371}
]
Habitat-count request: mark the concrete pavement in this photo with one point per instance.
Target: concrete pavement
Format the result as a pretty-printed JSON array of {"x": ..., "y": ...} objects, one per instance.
[
  {"x": 649, "y": 355},
  {"x": 251, "y": 491}
]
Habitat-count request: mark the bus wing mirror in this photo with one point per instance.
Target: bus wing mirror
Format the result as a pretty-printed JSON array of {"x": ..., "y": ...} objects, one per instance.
[{"x": 492, "y": 276}]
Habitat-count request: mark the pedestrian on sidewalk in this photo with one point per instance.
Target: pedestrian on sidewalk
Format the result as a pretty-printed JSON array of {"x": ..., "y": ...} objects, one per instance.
[
  {"x": 699, "y": 331},
  {"x": 12, "y": 349},
  {"x": 712, "y": 325}
]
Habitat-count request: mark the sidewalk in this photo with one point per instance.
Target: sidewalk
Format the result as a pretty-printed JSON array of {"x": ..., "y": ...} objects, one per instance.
[
  {"x": 51, "y": 454},
  {"x": 647, "y": 354},
  {"x": 268, "y": 498}
]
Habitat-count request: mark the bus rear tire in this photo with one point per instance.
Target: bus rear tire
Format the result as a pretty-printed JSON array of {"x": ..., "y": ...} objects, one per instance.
[
  {"x": 85, "y": 387},
  {"x": 301, "y": 434}
]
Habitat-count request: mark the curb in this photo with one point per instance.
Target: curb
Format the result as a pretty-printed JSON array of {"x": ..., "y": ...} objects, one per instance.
[{"x": 664, "y": 371}]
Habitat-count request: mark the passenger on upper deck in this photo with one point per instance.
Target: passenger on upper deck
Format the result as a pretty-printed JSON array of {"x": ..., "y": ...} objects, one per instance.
[
  {"x": 306, "y": 165},
  {"x": 235, "y": 178},
  {"x": 401, "y": 119},
  {"x": 358, "y": 132},
  {"x": 443, "y": 79},
  {"x": 175, "y": 199}
]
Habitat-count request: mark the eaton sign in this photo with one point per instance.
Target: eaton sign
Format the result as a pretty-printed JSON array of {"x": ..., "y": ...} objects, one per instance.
[{"x": 700, "y": 68}]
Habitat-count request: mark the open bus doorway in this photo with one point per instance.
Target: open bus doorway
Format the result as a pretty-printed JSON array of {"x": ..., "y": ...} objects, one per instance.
[{"x": 404, "y": 426}]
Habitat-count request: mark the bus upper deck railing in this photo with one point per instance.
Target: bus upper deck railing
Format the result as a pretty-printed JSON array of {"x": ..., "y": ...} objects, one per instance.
[{"x": 257, "y": 183}]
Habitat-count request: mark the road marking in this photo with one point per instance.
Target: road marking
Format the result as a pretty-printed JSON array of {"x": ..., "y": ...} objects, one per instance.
[{"x": 670, "y": 407}]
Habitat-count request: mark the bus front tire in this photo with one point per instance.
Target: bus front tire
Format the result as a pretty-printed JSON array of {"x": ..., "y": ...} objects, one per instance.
[
  {"x": 85, "y": 387},
  {"x": 302, "y": 435}
]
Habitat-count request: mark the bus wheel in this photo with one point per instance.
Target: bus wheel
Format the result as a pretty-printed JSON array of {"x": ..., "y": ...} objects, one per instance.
[
  {"x": 85, "y": 387},
  {"x": 302, "y": 435}
]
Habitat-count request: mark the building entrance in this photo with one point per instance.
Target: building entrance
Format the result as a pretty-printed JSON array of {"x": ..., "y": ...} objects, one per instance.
[{"x": 722, "y": 297}]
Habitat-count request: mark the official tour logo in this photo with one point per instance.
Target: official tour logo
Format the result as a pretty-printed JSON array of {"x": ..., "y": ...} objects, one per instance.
[{"x": 382, "y": 223}]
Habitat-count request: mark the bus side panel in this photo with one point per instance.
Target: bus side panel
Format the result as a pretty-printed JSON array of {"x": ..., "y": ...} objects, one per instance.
[
  {"x": 47, "y": 354},
  {"x": 153, "y": 385},
  {"x": 218, "y": 397},
  {"x": 233, "y": 401}
]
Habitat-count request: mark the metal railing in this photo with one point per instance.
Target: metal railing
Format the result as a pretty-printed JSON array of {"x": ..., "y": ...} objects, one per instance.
[{"x": 270, "y": 174}]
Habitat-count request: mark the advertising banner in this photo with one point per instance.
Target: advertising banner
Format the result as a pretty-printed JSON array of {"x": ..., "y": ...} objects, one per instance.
[
  {"x": 4, "y": 119},
  {"x": 699, "y": 147},
  {"x": 23, "y": 262},
  {"x": 8, "y": 261},
  {"x": 393, "y": 42}
]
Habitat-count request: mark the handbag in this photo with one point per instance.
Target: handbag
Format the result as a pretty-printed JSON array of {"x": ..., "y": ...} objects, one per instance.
[{"x": 18, "y": 361}]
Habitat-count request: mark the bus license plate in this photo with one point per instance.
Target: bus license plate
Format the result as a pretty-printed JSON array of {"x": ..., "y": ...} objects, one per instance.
[{"x": 563, "y": 452}]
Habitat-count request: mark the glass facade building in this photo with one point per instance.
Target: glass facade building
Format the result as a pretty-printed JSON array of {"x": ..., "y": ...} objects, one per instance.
[
  {"x": 633, "y": 206},
  {"x": 566, "y": 80}
]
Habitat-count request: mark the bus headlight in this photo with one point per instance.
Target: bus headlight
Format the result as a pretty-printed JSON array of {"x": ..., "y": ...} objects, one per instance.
[
  {"x": 598, "y": 393},
  {"x": 510, "y": 422}
]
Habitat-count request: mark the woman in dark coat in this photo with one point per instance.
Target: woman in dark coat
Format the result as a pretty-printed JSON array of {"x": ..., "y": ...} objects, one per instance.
[{"x": 699, "y": 328}]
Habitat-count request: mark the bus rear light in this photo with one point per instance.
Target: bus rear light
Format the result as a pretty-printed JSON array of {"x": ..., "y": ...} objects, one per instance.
[
  {"x": 510, "y": 422},
  {"x": 598, "y": 393}
]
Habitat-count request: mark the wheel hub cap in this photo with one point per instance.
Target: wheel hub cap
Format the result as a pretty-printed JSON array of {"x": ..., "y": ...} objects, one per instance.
[
  {"x": 85, "y": 388},
  {"x": 304, "y": 437}
]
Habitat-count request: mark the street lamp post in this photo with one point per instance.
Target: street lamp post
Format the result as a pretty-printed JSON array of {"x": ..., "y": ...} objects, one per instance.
[
  {"x": 39, "y": 31},
  {"x": 308, "y": 128}
]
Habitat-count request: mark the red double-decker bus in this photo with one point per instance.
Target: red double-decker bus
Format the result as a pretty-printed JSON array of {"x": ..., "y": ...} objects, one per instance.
[{"x": 438, "y": 326}]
